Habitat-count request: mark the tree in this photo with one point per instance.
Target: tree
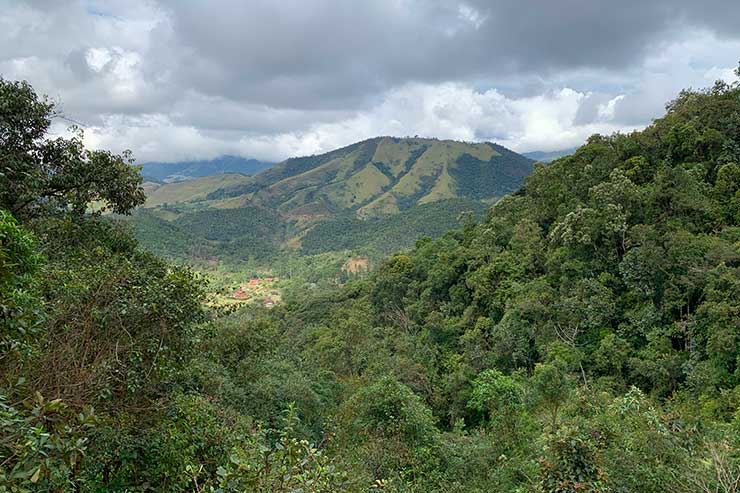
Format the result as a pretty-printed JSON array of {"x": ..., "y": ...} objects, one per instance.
[
  {"x": 40, "y": 174},
  {"x": 500, "y": 398},
  {"x": 551, "y": 387}
]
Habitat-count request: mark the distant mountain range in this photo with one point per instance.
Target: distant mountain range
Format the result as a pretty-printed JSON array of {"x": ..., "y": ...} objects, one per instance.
[
  {"x": 185, "y": 170},
  {"x": 546, "y": 157}
]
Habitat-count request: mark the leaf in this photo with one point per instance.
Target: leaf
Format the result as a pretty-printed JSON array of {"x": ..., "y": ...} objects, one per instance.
[{"x": 36, "y": 476}]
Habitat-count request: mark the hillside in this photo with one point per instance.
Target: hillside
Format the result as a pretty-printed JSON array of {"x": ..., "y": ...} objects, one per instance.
[
  {"x": 583, "y": 338},
  {"x": 184, "y": 170},
  {"x": 250, "y": 232},
  {"x": 386, "y": 234},
  {"x": 189, "y": 190},
  {"x": 376, "y": 196},
  {"x": 383, "y": 175}
]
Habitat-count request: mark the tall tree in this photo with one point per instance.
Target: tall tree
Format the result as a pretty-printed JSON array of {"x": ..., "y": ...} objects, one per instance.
[{"x": 40, "y": 174}]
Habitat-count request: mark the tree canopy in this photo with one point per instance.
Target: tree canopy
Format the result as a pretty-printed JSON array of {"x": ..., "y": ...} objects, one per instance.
[{"x": 39, "y": 173}]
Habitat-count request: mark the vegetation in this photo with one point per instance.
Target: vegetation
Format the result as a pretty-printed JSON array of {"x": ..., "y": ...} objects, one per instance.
[
  {"x": 385, "y": 234},
  {"x": 583, "y": 337}
]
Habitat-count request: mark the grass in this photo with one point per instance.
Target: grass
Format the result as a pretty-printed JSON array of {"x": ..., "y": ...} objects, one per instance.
[{"x": 190, "y": 190}]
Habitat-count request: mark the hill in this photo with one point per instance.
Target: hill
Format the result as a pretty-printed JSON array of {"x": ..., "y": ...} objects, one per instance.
[
  {"x": 376, "y": 196},
  {"x": 184, "y": 170},
  {"x": 383, "y": 175},
  {"x": 189, "y": 190},
  {"x": 583, "y": 337}
]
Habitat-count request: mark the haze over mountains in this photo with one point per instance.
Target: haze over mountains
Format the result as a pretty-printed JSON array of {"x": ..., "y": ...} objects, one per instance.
[
  {"x": 549, "y": 156},
  {"x": 184, "y": 170}
]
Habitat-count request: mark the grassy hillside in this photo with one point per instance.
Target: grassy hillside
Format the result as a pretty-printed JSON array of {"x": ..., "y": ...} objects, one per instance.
[
  {"x": 375, "y": 196},
  {"x": 383, "y": 175},
  {"x": 190, "y": 190}
]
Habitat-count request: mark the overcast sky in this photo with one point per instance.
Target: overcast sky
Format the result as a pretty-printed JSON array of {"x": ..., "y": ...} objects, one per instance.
[{"x": 186, "y": 79}]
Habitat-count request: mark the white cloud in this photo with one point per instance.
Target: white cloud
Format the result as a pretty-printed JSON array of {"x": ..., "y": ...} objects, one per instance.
[
  {"x": 471, "y": 15},
  {"x": 448, "y": 110}
]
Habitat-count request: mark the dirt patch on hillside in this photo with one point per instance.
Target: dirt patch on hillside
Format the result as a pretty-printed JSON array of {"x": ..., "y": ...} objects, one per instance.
[{"x": 355, "y": 265}]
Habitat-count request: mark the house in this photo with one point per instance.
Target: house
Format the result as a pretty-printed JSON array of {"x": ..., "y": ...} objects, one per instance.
[
  {"x": 239, "y": 294},
  {"x": 268, "y": 302}
]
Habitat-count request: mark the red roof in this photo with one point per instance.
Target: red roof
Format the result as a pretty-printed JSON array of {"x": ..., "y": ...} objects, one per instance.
[{"x": 239, "y": 294}]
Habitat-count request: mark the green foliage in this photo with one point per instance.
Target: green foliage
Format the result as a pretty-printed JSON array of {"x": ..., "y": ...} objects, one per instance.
[
  {"x": 42, "y": 447},
  {"x": 384, "y": 416},
  {"x": 500, "y": 175},
  {"x": 386, "y": 234},
  {"x": 119, "y": 318},
  {"x": 289, "y": 465},
  {"x": 572, "y": 464},
  {"x": 494, "y": 393},
  {"x": 21, "y": 309}
]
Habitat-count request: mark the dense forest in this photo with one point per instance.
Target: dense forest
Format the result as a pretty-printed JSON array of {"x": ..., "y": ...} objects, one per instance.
[
  {"x": 383, "y": 235},
  {"x": 583, "y": 337}
]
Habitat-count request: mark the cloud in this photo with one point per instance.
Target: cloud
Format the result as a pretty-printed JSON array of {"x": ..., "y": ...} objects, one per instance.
[
  {"x": 174, "y": 80},
  {"x": 449, "y": 110}
]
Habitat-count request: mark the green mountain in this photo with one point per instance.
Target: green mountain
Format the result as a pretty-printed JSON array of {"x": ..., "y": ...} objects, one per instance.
[
  {"x": 382, "y": 175},
  {"x": 374, "y": 197}
]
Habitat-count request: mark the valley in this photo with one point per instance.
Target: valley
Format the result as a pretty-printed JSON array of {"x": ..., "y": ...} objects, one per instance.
[
  {"x": 226, "y": 266},
  {"x": 305, "y": 218}
]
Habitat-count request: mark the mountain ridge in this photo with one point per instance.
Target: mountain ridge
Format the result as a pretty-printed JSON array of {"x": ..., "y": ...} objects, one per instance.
[{"x": 383, "y": 175}]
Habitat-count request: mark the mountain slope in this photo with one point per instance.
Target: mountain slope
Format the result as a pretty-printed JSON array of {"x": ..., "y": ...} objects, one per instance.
[
  {"x": 384, "y": 175},
  {"x": 190, "y": 190}
]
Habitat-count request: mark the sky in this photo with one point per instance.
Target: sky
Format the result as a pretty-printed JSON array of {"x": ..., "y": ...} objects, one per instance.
[{"x": 194, "y": 79}]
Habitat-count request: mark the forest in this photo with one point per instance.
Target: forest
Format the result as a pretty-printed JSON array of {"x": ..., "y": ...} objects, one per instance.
[{"x": 582, "y": 336}]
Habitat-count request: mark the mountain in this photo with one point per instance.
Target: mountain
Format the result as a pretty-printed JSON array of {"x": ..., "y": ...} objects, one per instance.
[
  {"x": 373, "y": 197},
  {"x": 382, "y": 175},
  {"x": 546, "y": 157},
  {"x": 184, "y": 170}
]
